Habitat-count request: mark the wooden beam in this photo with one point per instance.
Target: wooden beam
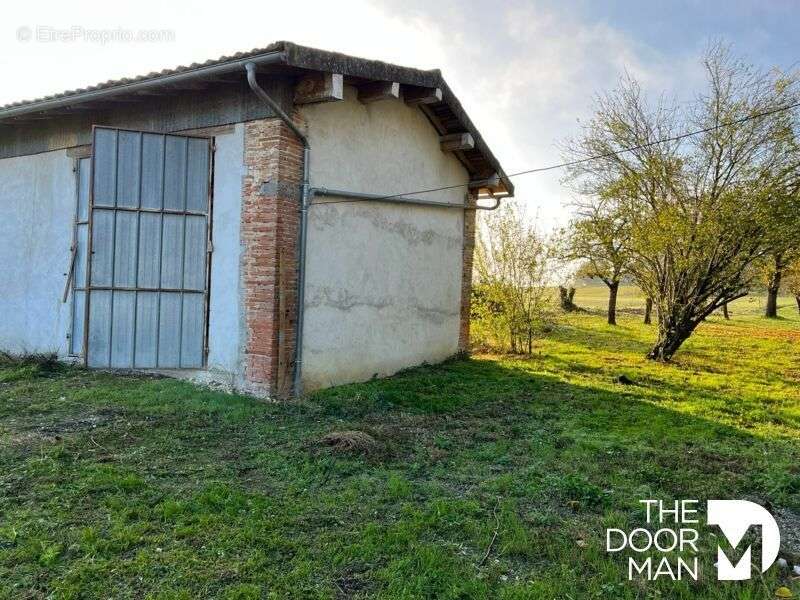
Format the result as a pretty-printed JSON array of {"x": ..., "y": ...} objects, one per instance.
[
  {"x": 319, "y": 87},
  {"x": 492, "y": 184},
  {"x": 414, "y": 96},
  {"x": 456, "y": 141},
  {"x": 378, "y": 90}
]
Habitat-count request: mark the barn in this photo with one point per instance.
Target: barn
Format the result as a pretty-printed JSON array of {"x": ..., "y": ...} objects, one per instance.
[{"x": 262, "y": 221}]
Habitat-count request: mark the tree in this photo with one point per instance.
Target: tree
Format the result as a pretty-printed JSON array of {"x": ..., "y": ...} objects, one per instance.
[
  {"x": 701, "y": 209},
  {"x": 598, "y": 237},
  {"x": 792, "y": 280},
  {"x": 511, "y": 298},
  {"x": 784, "y": 251},
  {"x": 648, "y": 311}
]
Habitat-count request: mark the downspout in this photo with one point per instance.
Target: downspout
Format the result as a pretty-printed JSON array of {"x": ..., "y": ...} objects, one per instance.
[
  {"x": 302, "y": 242},
  {"x": 307, "y": 195}
]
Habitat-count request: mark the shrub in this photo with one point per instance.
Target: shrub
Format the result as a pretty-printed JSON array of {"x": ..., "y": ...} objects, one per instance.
[{"x": 511, "y": 305}]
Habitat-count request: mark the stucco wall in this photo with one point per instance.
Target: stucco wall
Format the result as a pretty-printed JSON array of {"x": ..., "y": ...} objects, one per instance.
[
  {"x": 383, "y": 281},
  {"x": 37, "y": 209},
  {"x": 225, "y": 313}
]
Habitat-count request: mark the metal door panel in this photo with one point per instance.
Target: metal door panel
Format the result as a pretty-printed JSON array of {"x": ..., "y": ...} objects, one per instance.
[
  {"x": 175, "y": 174},
  {"x": 126, "y": 249},
  {"x": 148, "y": 217},
  {"x": 79, "y": 261},
  {"x": 196, "y": 183},
  {"x": 149, "y": 249},
  {"x": 128, "y": 168},
  {"x": 194, "y": 263},
  {"x": 153, "y": 167},
  {"x": 102, "y": 247},
  {"x": 146, "y": 330},
  {"x": 80, "y": 257},
  {"x": 172, "y": 251},
  {"x": 104, "y": 150},
  {"x": 192, "y": 331},
  {"x": 123, "y": 325},
  {"x": 78, "y": 319},
  {"x": 84, "y": 171},
  {"x": 169, "y": 339},
  {"x": 99, "y": 328}
]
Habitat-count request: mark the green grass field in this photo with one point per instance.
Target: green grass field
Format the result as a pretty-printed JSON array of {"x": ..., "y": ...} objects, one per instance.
[{"x": 136, "y": 487}]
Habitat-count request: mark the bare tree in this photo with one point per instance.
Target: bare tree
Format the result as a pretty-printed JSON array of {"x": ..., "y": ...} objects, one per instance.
[{"x": 702, "y": 208}]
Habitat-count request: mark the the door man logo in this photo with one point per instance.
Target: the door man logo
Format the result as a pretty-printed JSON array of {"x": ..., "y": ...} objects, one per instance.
[
  {"x": 734, "y": 518},
  {"x": 675, "y": 529}
]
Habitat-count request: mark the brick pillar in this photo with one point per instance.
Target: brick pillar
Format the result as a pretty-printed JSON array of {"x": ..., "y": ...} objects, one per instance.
[
  {"x": 468, "y": 252},
  {"x": 273, "y": 160}
]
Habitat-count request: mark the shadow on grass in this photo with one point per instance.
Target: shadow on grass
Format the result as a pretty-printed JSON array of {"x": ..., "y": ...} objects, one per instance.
[
  {"x": 460, "y": 436},
  {"x": 612, "y": 338}
]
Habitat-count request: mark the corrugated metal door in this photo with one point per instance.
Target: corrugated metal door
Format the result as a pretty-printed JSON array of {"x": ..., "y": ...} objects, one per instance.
[{"x": 148, "y": 250}]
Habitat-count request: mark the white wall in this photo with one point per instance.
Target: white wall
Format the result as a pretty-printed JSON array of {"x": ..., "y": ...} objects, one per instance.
[
  {"x": 225, "y": 315},
  {"x": 37, "y": 210},
  {"x": 384, "y": 281}
]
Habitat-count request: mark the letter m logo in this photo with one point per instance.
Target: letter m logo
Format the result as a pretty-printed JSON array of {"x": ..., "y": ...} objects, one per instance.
[{"x": 734, "y": 518}]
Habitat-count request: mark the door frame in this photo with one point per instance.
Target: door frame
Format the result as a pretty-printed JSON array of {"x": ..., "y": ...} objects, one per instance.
[{"x": 209, "y": 240}]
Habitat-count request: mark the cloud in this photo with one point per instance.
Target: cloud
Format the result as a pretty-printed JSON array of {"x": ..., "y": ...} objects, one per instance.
[{"x": 525, "y": 71}]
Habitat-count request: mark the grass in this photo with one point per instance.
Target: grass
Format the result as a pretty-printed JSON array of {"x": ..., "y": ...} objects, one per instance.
[{"x": 138, "y": 487}]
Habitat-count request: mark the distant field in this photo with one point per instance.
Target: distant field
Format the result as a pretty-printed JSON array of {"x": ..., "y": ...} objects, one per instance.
[{"x": 631, "y": 300}]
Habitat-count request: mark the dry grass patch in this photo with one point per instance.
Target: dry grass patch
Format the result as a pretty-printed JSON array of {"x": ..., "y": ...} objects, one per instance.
[{"x": 351, "y": 441}]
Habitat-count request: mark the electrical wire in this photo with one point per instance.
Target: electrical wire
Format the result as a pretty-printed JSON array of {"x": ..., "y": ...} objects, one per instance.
[{"x": 589, "y": 158}]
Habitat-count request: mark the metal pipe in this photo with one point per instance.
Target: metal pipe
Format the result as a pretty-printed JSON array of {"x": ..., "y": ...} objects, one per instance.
[
  {"x": 307, "y": 195},
  {"x": 396, "y": 199},
  {"x": 231, "y": 66},
  {"x": 379, "y": 198},
  {"x": 250, "y": 67},
  {"x": 301, "y": 274}
]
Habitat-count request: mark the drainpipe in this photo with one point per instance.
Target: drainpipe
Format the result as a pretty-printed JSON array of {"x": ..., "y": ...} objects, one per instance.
[
  {"x": 307, "y": 194},
  {"x": 304, "y": 203}
]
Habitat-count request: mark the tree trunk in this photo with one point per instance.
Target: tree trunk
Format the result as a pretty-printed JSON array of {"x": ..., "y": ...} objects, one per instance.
[
  {"x": 772, "y": 303},
  {"x": 613, "y": 288},
  {"x": 798, "y": 302},
  {"x": 566, "y": 298},
  {"x": 673, "y": 330},
  {"x": 648, "y": 311},
  {"x": 725, "y": 312},
  {"x": 773, "y": 288}
]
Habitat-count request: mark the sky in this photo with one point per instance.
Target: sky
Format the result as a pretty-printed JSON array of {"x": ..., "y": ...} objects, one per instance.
[{"x": 526, "y": 71}]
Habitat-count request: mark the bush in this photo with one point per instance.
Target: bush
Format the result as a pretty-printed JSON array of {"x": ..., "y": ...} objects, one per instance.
[
  {"x": 511, "y": 305},
  {"x": 18, "y": 367}
]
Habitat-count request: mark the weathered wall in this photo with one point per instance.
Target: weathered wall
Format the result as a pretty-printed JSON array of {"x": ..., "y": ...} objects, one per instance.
[
  {"x": 190, "y": 109},
  {"x": 384, "y": 281},
  {"x": 37, "y": 209},
  {"x": 224, "y": 324},
  {"x": 273, "y": 159}
]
